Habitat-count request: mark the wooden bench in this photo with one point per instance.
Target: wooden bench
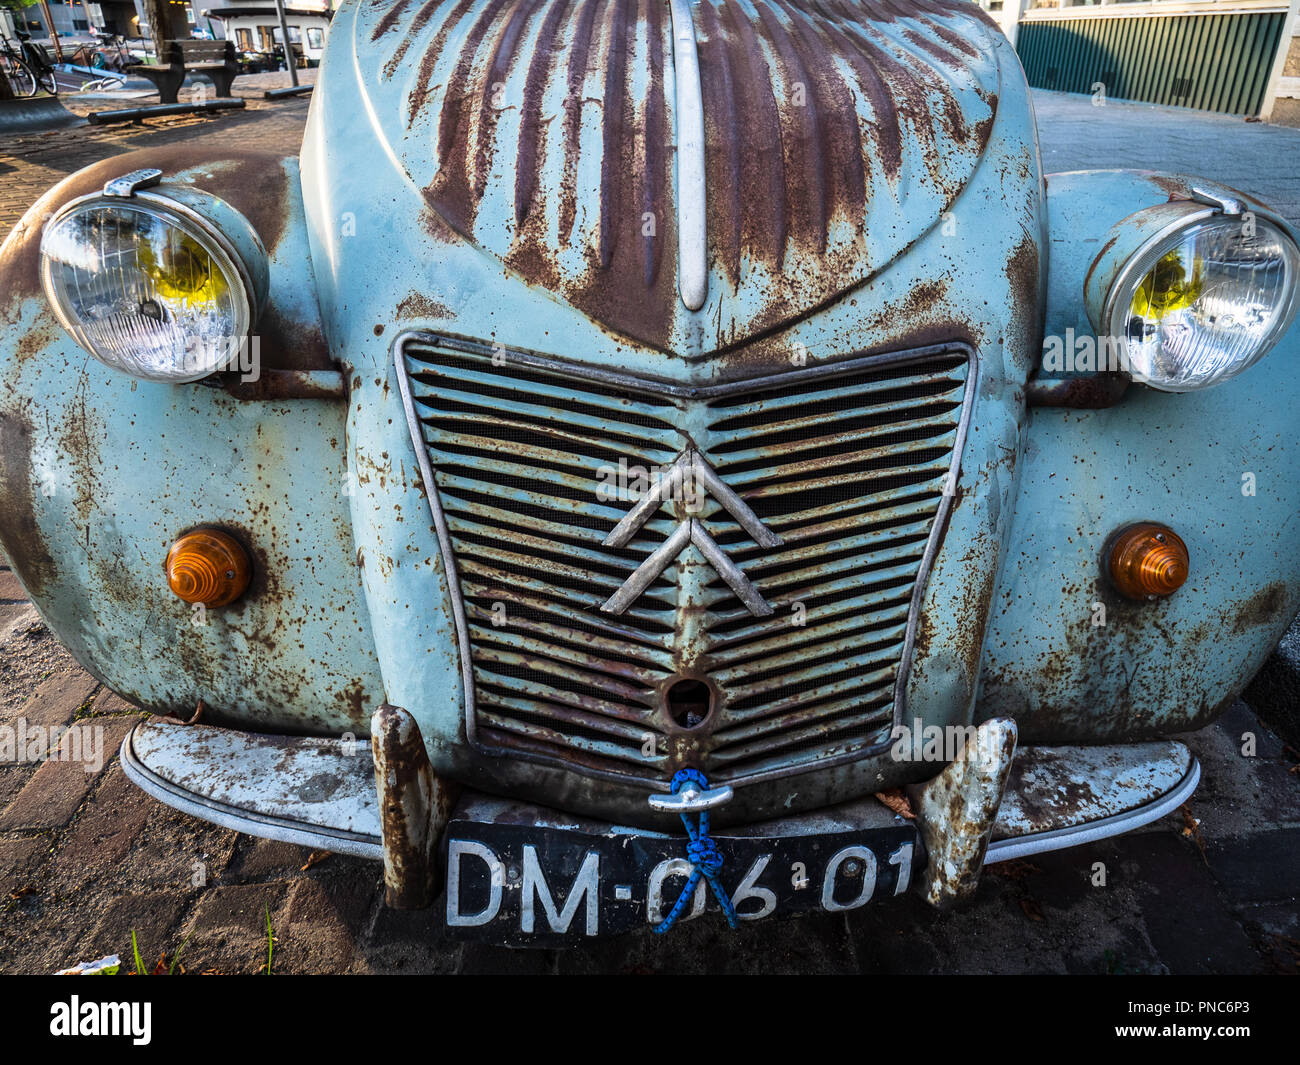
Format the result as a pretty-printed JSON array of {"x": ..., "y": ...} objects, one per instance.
[{"x": 216, "y": 59}]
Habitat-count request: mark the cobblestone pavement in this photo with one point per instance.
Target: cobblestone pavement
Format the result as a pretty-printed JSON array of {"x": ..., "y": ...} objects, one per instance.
[
  {"x": 31, "y": 163},
  {"x": 86, "y": 859},
  {"x": 1255, "y": 157}
]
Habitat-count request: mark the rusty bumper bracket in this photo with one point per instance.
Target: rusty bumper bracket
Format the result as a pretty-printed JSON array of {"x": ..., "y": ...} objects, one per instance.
[
  {"x": 414, "y": 807},
  {"x": 956, "y": 812}
]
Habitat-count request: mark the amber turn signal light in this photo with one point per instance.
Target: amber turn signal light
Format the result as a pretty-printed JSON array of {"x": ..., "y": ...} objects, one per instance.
[
  {"x": 1147, "y": 561},
  {"x": 209, "y": 567}
]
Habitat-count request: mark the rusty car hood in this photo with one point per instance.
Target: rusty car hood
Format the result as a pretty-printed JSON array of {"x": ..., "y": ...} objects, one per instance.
[{"x": 547, "y": 135}]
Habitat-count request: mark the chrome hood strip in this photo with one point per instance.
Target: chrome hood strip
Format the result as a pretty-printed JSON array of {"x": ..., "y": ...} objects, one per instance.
[{"x": 692, "y": 229}]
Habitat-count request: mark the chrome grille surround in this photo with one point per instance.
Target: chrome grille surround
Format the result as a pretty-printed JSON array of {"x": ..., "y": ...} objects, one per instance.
[{"x": 509, "y": 454}]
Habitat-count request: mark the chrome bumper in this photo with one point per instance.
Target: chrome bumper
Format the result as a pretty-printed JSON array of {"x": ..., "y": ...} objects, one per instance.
[{"x": 992, "y": 803}]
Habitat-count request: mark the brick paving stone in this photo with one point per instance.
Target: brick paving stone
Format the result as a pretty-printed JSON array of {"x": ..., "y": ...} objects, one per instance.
[
  {"x": 58, "y": 788},
  {"x": 238, "y": 904},
  {"x": 1275, "y": 927},
  {"x": 1191, "y": 928},
  {"x": 103, "y": 833},
  {"x": 10, "y": 590},
  {"x": 229, "y": 927},
  {"x": 56, "y": 700},
  {"x": 256, "y": 858},
  {"x": 408, "y": 941},
  {"x": 154, "y": 917},
  {"x": 343, "y": 901},
  {"x": 1264, "y": 867},
  {"x": 19, "y": 859},
  {"x": 174, "y": 850},
  {"x": 324, "y": 916},
  {"x": 107, "y": 702},
  {"x": 12, "y": 779}
]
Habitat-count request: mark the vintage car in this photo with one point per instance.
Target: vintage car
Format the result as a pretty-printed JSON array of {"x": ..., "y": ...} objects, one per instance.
[{"x": 629, "y": 439}]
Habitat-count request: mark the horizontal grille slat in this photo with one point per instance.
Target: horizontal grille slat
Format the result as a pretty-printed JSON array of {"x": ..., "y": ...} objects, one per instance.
[
  {"x": 458, "y": 408},
  {"x": 802, "y": 552},
  {"x": 808, "y": 637},
  {"x": 550, "y": 643},
  {"x": 640, "y": 613},
  {"x": 904, "y": 477},
  {"x": 518, "y": 723},
  {"x": 881, "y": 696},
  {"x": 533, "y": 465},
  {"x": 648, "y": 647},
  {"x": 540, "y": 712},
  {"x": 834, "y": 665},
  {"x": 886, "y": 449},
  {"x": 573, "y": 753},
  {"x": 548, "y": 679}
]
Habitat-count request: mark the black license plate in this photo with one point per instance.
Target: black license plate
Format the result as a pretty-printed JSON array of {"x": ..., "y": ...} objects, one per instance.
[{"x": 536, "y": 885}]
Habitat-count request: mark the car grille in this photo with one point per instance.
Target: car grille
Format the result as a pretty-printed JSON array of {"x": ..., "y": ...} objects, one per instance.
[{"x": 847, "y": 467}]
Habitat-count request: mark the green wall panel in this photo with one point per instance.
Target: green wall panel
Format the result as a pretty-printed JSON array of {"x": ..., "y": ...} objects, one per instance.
[{"x": 1209, "y": 62}]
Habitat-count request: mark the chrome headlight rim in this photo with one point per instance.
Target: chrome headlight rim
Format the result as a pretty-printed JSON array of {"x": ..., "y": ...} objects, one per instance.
[
  {"x": 1142, "y": 259},
  {"x": 204, "y": 218}
]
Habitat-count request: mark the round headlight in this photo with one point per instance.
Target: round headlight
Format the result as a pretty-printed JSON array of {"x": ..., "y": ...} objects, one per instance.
[
  {"x": 149, "y": 286},
  {"x": 1203, "y": 300}
]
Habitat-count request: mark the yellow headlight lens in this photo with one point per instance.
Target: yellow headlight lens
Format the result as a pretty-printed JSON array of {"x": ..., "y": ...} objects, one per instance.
[
  {"x": 182, "y": 270},
  {"x": 1174, "y": 284}
]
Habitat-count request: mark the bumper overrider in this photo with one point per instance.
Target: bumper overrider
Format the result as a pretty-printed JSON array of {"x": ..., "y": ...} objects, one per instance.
[{"x": 523, "y": 874}]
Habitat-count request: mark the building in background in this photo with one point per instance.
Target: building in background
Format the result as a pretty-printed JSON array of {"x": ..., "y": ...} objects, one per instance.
[
  {"x": 1238, "y": 57},
  {"x": 253, "y": 26},
  {"x": 76, "y": 19}
]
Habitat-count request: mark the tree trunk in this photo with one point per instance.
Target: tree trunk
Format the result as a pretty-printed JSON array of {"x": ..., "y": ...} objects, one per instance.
[
  {"x": 6, "y": 93},
  {"x": 155, "y": 13}
]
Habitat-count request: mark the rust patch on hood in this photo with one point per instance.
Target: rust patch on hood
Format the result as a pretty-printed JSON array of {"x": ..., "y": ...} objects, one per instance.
[
  {"x": 418, "y": 305},
  {"x": 560, "y": 116}
]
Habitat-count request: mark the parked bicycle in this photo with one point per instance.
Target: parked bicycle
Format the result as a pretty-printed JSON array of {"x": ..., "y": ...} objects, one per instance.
[
  {"x": 21, "y": 79},
  {"x": 108, "y": 52},
  {"x": 26, "y": 66}
]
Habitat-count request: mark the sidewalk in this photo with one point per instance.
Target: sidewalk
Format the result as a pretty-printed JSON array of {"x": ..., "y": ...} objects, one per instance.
[
  {"x": 85, "y": 858},
  {"x": 1255, "y": 157},
  {"x": 31, "y": 163}
]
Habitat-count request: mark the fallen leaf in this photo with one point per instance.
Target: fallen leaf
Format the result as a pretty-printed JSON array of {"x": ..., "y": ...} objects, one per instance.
[
  {"x": 22, "y": 892},
  {"x": 314, "y": 858},
  {"x": 1031, "y": 909},
  {"x": 896, "y": 799},
  {"x": 1192, "y": 830}
]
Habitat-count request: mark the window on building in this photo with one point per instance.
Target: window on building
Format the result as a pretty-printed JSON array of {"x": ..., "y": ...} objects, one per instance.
[
  {"x": 244, "y": 39},
  {"x": 264, "y": 34},
  {"x": 315, "y": 38}
]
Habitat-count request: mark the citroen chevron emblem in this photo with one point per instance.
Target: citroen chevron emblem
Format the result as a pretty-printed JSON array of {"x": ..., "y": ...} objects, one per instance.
[{"x": 689, "y": 464}]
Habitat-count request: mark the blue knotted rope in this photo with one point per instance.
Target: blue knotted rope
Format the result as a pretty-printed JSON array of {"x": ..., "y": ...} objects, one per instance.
[{"x": 702, "y": 853}]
